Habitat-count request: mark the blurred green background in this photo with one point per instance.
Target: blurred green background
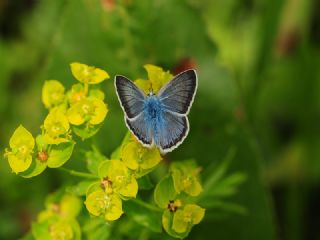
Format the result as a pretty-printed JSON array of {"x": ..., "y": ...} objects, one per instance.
[{"x": 258, "y": 64}]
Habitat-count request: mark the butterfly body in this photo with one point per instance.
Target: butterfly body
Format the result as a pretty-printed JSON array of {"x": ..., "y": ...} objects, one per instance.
[{"x": 158, "y": 119}]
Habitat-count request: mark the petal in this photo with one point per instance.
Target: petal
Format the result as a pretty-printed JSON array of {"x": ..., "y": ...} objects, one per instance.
[
  {"x": 197, "y": 213},
  {"x": 145, "y": 85},
  {"x": 150, "y": 158},
  {"x": 87, "y": 74},
  {"x": 195, "y": 188},
  {"x": 74, "y": 115},
  {"x": 130, "y": 189},
  {"x": 52, "y": 93},
  {"x": 22, "y": 136},
  {"x": 115, "y": 211},
  {"x": 100, "y": 111},
  {"x": 19, "y": 164},
  {"x": 179, "y": 224},
  {"x": 129, "y": 155},
  {"x": 95, "y": 202}
]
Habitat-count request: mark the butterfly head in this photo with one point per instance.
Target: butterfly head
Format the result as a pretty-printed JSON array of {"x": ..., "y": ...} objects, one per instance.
[{"x": 151, "y": 93}]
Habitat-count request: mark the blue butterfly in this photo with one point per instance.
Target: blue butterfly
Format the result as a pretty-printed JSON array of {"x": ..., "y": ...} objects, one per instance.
[{"x": 158, "y": 119}]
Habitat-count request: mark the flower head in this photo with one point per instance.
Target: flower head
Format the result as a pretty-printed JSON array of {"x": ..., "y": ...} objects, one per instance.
[
  {"x": 56, "y": 126},
  {"x": 87, "y": 74},
  {"x": 186, "y": 177},
  {"x": 89, "y": 110},
  {"x": 116, "y": 175},
  {"x": 21, "y": 144},
  {"x": 186, "y": 217},
  {"x": 76, "y": 94},
  {"x": 157, "y": 77},
  {"x": 101, "y": 204},
  {"x": 52, "y": 93},
  {"x": 137, "y": 157}
]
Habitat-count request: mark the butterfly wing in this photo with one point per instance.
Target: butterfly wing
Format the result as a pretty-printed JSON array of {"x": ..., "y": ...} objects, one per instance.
[
  {"x": 172, "y": 131},
  {"x": 130, "y": 96},
  {"x": 140, "y": 129},
  {"x": 177, "y": 96}
]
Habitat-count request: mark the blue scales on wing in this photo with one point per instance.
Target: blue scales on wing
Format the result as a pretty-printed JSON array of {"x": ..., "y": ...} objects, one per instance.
[
  {"x": 178, "y": 94},
  {"x": 172, "y": 131},
  {"x": 131, "y": 97}
]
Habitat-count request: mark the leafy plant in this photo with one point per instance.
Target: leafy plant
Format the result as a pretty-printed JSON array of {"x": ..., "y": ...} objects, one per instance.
[{"x": 118, "y": 188}]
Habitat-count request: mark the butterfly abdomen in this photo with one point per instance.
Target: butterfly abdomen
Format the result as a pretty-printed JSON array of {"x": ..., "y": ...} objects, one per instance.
[{"x": 153, "y": 112}]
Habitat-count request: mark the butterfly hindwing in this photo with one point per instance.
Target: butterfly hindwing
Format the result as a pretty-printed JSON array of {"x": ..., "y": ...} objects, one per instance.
[
  {"x": 174, "y": 130},
  {"x": 138, "y": 127},
  {"x": 130, "y": 96},
  {"x": 177, "y": 96}
]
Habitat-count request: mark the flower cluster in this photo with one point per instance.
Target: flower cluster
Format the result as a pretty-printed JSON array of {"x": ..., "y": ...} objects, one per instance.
[
  {"x": 175, "y": 193},
  {"x": 58, "y": 220},
  {"x": 81, "y": 111},
  {"x": 111, "y": 186},
  {"x": 118, "y": 178}
]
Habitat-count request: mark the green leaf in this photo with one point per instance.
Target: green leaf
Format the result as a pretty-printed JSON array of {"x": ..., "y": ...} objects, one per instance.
[
  {"x": 40, "y": 230},
  {"x": 145, "y": 183},
  {"x": 60, "y": 154},
  {"x": 164, "y": 192},
  {"x": 35, "y": 169},
  {"x": 143, "y": 214},
  {"x": 84, "y": 131},
  {"x": 76, "y": 229},
  {"x": 93, "y": 159},
  {"x": 96, "y": 229}
]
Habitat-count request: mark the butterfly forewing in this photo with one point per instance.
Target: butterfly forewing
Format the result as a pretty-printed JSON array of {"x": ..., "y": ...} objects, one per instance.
[
  {"x": 131, "y": 97},
  {"x": 177, "y": 96}
]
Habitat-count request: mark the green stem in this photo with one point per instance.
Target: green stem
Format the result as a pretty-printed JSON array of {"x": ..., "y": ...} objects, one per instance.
[
  {"x": 79, "y": 174},
  {"x": 147, "y": 205}
]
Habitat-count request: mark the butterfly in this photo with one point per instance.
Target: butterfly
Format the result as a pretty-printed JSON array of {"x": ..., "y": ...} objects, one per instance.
[{"x": 158, "y": 119}]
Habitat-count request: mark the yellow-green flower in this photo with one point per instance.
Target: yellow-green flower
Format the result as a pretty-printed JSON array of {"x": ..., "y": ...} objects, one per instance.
[
  {"x": 186, "y": 177},
  {"x": 76, "y": 94},
  {"x": 186, "y": 217},
  {"x": 21, "y": 144},
  {"x": 61, "y": 231},
  {"x": 102, "y": 204},
  {"x": 58, "y": 220},
  {"x": 139, "y": 158},
  {"x": 119, "y": 178},
  {"x": 52, "y": 93},
  {"x": 87, "y": 74},
  {"x": 157, "y": 77},
  {"x": 56, "y": 126},
  {"x": 88, "y": 110}
]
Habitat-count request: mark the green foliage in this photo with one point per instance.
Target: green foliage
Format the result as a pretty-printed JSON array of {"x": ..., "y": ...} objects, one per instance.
[{"x": 112, "y": 184}]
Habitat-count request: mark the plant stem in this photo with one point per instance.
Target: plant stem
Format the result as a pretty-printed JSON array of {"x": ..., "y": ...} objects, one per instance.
[
  {"x": 79, "y": 174},
  {"x": 147, "y": 205}
]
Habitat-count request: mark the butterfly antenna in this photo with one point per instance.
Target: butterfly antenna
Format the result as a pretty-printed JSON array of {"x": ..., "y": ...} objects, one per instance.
[{"x": 151, "y": 89}]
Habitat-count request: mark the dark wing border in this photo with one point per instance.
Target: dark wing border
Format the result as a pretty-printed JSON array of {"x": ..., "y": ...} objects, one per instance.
[
  {"x": 165, "y": 87},
  {"x": 180, "y": 139}
]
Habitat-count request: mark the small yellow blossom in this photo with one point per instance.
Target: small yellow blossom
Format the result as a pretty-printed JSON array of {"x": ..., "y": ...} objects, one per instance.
[
  {"x": 87, "y": 74},
  {"x": 157, "y": 78},
  {"x": 185, "y": 218},
  {"x": 137, "y": 157},
  {"x": 52, "y": 93},
  {"x": 91, "y": 110},
  {"x": 100, "y": 203},
  {"x": 56, "y": 126},
  {"x": 21, "y": 144}
]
